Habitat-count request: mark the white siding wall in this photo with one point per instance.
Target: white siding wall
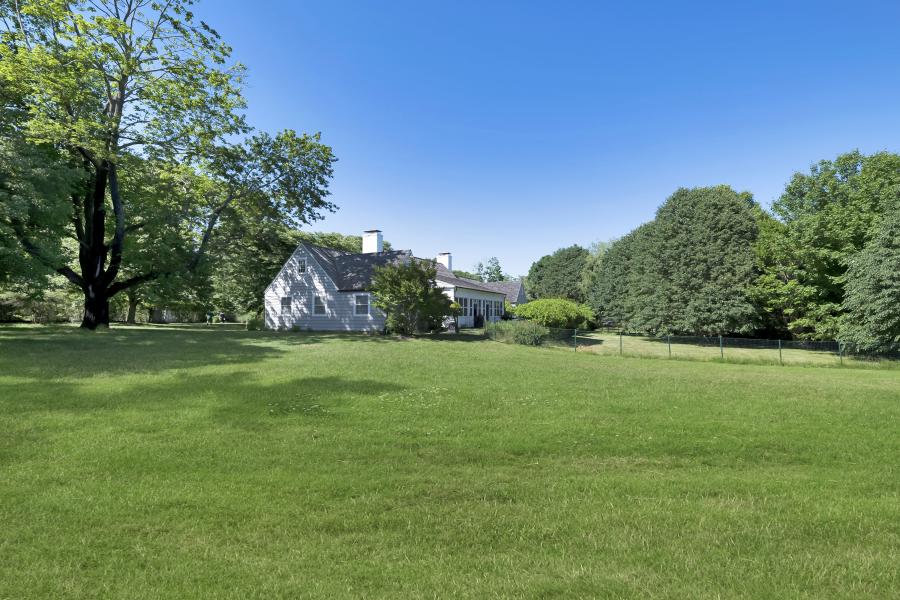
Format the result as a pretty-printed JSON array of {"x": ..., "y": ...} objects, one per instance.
[
  {"x": 302, "y": 287},
  {"x": 456, "y": 294}
]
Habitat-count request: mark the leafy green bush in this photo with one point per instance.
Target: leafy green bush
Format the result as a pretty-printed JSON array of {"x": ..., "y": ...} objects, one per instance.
[
  {"x": 527, "y": 333},
  {"x": 556, "y": 312},
  {"x": 409, "y": 296},
  {"x": 255, "y": 323}
]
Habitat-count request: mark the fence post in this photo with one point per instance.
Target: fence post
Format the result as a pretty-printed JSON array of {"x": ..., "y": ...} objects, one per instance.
[
  {"x": 575, "y": 338},
  {"x": 780, "y": 359},
  {"x": 620, "y": 342},
  {"x": 669, "y": 342},
  {"x": 841, "y": 352},
  {"x": 721, "y": 348}
]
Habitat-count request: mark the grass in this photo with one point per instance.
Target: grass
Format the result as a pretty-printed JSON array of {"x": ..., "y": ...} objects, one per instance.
[
  {"x": 167, "y": 462},
  {"x": 764, "y": 352}
]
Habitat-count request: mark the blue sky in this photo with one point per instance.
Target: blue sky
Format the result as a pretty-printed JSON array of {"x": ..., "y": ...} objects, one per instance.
[{"x": 511, "y": 129}]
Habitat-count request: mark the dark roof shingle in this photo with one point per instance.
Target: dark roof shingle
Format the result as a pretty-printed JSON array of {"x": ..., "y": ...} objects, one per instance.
[{"x": 353, "y": 272}]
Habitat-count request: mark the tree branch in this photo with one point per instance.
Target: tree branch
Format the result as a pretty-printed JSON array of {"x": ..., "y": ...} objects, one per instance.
[
  {"x": 38, "y": 253},
  {"x": 207, "y": 233},
  {"x": 131, "y": 282}
]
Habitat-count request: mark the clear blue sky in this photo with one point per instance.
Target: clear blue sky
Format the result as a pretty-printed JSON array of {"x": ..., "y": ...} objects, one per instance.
[{"x": 511, "y": 129}]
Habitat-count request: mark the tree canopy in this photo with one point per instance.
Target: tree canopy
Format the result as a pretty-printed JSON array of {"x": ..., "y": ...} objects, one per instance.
[
  {"x": 558, "y": 275},
  {"x": 871, "y": 319},
  {"x": 136, "y": 105},
  {"x": 825, "y": 217},
  {"x": 409, "y": 297},
  {"x": 690, "y": 270}
]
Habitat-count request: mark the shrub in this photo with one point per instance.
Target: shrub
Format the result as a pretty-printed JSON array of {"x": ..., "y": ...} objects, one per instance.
[
  {"x": 527, "y": 333},
  {"x": 255, "y": 323},
  {"x": 410, "y": 298},
  {"x": 556, "y": 312}
]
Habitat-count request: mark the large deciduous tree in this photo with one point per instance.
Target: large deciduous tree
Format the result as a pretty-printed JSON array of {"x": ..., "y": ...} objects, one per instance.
[
  {"x": 705, "y": 244},
  {"x": 558, "y": 275},
  {"x": 138, "y": 91},
  {"x": 690, "y": 270},
  {"x": 871, "y": 321},
  {"x": 827, "y": 216}
]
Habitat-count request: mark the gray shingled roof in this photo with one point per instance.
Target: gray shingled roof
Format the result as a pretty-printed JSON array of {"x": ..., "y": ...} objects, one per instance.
[
  {"x": 444, "y": 274},
  {"x": 352, "y": 272},
  {"x": 512, "y": 289}
]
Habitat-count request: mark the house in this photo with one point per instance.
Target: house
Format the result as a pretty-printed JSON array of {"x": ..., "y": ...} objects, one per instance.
[
  {"x": 326, "y": 289},
  {"x": 514, "y": 291}
]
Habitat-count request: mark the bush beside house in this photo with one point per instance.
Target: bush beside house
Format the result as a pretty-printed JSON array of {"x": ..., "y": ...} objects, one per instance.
[{"x": 556, "y": 312}]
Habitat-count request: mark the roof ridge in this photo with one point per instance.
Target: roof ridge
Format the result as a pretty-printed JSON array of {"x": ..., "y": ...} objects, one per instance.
[{"x": 330, "y": 249}]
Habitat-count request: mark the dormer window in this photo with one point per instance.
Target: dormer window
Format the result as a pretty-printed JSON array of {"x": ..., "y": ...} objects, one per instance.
[{"x": 301, "y": 266}]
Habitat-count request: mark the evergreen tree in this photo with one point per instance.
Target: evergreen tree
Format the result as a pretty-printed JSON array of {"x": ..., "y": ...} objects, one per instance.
[{"x": 705, "y": 244}]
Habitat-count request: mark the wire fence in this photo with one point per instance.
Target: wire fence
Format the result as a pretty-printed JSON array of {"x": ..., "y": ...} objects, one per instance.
[{"x": 708, "y": 348}]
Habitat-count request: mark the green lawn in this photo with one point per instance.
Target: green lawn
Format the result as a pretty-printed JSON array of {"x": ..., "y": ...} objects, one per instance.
[
  {"x": 763, "y": 352},
  {"x": 155, "y": 462}
]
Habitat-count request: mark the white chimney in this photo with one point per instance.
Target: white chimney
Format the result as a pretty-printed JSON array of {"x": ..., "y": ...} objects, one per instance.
[
  {"x": 372, "y": 242},
  {"x": 446, "y": 259}
]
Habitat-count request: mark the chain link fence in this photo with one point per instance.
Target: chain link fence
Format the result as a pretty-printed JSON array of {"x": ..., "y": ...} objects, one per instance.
[{"x": 684, "y": 347}]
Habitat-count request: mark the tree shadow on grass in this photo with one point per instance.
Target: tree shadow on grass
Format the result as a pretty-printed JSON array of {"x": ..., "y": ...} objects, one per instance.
[
  {"x": 235, "y": 398},
  {"x": 68, "y": 352}
]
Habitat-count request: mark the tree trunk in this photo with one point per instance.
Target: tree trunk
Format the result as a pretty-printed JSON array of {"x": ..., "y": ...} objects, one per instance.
[
  {"x": 132, "y": 309},
  {"x": 96, "y": 308}
]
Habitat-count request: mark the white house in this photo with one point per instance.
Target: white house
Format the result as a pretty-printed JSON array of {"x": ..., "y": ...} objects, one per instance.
[{"x": 325, "y": 289}]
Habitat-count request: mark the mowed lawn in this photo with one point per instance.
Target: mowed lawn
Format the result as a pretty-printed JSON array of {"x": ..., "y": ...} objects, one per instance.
[{"x": 155, "y": 462}]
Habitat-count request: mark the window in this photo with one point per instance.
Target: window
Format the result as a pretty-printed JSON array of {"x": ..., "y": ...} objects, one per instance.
[
  {"x": 362, "y": 304},
  {"x": 286, "y": 305},
  {"x": 465, "y": 307},
  {"x": 301, "y": 265},
  {"x": 318, "y": 305}
]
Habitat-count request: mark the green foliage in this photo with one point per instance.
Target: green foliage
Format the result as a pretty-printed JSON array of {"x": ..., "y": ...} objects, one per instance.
[
  {"x": 871, "y": 322},
  {"x": 527, "y": 333},
  {"x": 556, "y": 312},
  {"x": 467, "y": 275},
  {"x": 590, "y": 277},
  {"x": 140, "y": 100},
  {"x": 705, "y": 242},
  {"x": 256, "y": 323},
  {"x": 408, "y": 295},
  {"x": 337, "y": 241},
  {"x": 622, "y": 291},
  {"x": 492, "y": 271},
  {"x": 828, "y": 216},
  {"x": 690, "y": 270},
  {"x": 559, "y": 275}
]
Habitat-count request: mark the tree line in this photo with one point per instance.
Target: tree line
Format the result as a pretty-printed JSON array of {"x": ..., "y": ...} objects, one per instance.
[{"x": 822, "y": 263}]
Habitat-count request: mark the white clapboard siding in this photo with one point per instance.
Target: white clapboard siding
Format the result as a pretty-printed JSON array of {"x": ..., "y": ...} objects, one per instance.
[
  {"x": 457, "y": 293},
  {"x": 340, "y": 306}
]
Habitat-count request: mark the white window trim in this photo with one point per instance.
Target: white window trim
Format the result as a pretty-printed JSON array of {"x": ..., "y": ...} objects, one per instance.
[
  {"x": 313, "y": 312},
  {"x": 368, "y": 305},
  {"x": 290, "y": 310},
  {"x": 303, "y": 265}
]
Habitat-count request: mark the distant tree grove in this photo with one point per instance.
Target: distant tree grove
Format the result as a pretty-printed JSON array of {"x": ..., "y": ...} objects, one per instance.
[{"x": 823, "y": 263}]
